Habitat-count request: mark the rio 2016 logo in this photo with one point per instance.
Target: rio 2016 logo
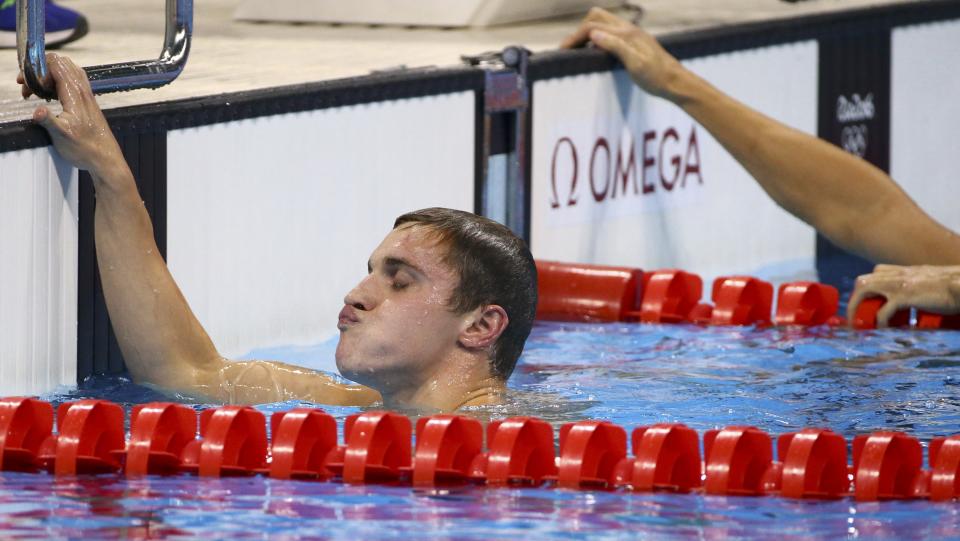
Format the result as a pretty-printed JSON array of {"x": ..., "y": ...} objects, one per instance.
[
  {"x": 854, "y": 138},
  {"x": 667, "y": 161}
]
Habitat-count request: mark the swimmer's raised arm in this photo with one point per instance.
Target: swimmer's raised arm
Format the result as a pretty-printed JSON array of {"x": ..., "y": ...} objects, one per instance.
[
  {"x": 162, "y": 341},
  {"x": 851, "y": 202}
]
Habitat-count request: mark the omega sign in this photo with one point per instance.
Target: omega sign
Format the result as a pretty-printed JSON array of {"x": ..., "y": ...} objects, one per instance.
[{"x": 599, "y": 172}]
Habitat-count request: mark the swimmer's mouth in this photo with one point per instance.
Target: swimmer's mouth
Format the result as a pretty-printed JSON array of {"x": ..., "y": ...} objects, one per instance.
[{"x": 348, "y": 318}]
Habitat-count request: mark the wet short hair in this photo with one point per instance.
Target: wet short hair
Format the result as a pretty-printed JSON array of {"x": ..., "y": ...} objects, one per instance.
[{"x": 495, "y": 267}]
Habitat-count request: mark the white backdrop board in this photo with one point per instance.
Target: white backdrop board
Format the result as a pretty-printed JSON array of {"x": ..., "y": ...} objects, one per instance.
[
  {"x": 925, "y": 115},
  {"x": 621, "y": 177},
  {"x": 271, "y": 220},
  {"x": 443, "y": 13},
  {"x": 38, "y": 272}
]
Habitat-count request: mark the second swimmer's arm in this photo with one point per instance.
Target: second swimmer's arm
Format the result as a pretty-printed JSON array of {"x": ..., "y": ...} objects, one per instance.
[{"x": 851, "y": 202}]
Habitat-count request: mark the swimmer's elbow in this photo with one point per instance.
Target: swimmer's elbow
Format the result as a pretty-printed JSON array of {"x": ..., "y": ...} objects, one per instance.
[
  {"x": 358, "y": 395},
  {"x": 337, "y": 394}
]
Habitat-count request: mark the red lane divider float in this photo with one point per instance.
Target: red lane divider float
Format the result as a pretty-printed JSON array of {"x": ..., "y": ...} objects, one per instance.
[
  {"x": 520, "y": 453},
  {"x": 866, "y": 317},
  {"x": 303, "y": 441},
  {"x": 90, "y": 437},
  {"x": 447, "y": 448},
  {"x": 806, "y": 303},
  {"x": 580, "y": 292},
  {"x": 233, "y": 441},
  {"x": 813, "y": 464},
  {"x": 741, "y": 300},
  {"x": 587, "y": 292},
  {"x": 159, "y": 432},
  {"x": 929, "y": 320},
  {"x": 887, "y": 466},
  {"x": 589, "y": 454},
  {"x": 25, "y": 423},
  {"x": 377, "y": 448},
  {"x": 737, "y": 461},
  {"x": 944, "y": 459},
  {"x": 666, "y": 457},
  {"x": 866, "y": 314},
  {"x": 669, "y": 296}
]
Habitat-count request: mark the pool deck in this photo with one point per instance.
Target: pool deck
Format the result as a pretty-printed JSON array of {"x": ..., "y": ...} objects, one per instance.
[{"x": 230, "y": 56}]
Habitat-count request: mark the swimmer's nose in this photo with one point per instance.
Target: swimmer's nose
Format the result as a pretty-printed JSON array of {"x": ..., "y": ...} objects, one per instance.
[
  {"x": 353, "y": 300},
  {"x": 359, "y": 297}
]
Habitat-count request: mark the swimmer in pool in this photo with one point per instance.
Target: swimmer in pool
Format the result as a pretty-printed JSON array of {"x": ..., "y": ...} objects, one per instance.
[
  {"x": 833, "y": 191},
  {"x": 437, "y": 324}
]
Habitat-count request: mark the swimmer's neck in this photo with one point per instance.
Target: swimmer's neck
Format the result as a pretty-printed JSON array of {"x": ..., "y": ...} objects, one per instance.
[{"x": 453, "y": 386}]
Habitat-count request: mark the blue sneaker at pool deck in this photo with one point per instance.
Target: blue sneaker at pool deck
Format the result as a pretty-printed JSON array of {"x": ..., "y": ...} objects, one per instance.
[{"x": 63, "y": 25}]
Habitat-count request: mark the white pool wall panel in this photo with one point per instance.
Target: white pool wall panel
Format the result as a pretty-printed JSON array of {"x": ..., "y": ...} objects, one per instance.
[
  {"x": 723, "y": 225},
  {"x": 38, "y": 272},
  {"x": 271, "y": 220},
  {"x": 925, "y": 116}
]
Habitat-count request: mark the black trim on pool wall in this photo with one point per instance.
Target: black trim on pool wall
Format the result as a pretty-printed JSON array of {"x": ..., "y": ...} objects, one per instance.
[
  {"x": 853, "y": 104},
  {"x": 97, "y": 349},
  {"x": 738, "y": 37},
  {"x": 192, "y": 112}
]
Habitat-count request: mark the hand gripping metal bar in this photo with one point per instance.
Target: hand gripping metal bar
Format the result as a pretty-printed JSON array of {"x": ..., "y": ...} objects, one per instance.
[{"x": 31, "y": 50}]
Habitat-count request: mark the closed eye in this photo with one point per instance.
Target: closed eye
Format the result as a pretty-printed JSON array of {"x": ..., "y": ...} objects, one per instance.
[{"x": 400, "y": 273}]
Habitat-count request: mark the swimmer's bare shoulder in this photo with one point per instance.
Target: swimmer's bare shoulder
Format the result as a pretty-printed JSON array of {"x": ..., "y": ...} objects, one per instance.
[{"x": 259, "y": 382}]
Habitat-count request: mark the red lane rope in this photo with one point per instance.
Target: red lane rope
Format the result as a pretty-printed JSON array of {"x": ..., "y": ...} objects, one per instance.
[
  {"x": 377, "y": 448},
  {"x": 579, "y": 292}
]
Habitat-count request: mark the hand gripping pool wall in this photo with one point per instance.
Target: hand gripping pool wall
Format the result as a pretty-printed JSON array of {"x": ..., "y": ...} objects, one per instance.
[{"x": 620, "y": 177}]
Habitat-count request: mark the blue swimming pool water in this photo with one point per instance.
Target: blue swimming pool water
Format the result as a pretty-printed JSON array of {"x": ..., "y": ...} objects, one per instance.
[{"x": 779, "y": 380}]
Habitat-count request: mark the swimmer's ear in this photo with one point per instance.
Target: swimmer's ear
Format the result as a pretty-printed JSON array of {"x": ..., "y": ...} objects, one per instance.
[{"x": 484, "y": 326}]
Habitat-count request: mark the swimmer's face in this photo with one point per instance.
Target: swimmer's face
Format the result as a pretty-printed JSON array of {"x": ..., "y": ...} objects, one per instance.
[{"x": 396, "y": 325}]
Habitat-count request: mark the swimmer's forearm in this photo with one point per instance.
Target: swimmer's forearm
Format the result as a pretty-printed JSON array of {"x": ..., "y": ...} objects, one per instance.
[
  {"x": 161, "y": 340},
  {"x": 853, "y": 203}
]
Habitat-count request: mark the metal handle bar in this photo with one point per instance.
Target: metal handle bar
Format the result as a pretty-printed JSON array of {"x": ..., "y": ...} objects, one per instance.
[{"x": 31, "y": 50}]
